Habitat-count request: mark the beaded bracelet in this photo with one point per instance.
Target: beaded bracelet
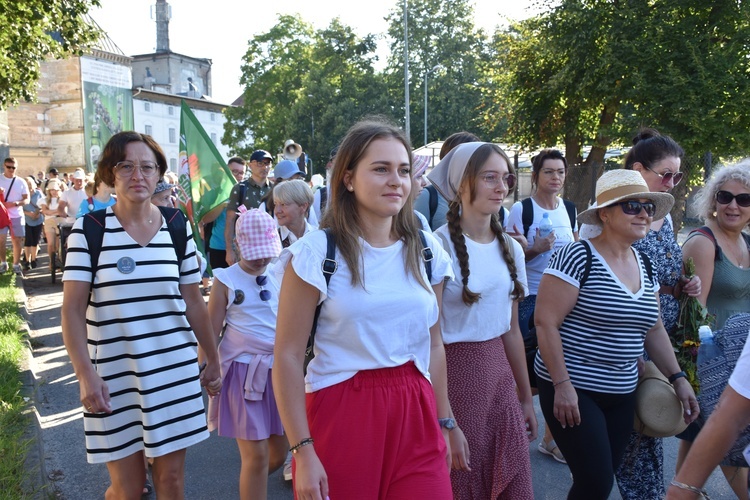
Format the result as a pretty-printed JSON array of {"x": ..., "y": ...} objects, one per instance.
[
  {"x": 304, "y": 442},
  {"x": 698, "y": 491}
]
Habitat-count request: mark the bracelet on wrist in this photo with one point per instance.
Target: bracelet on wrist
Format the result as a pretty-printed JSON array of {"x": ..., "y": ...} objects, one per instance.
[
  {"x": 304, "y": 442},
  {"x": 555, "y": 384},
  {"x": 672, "y": 378},
  {"x": 698, "y": 491}
]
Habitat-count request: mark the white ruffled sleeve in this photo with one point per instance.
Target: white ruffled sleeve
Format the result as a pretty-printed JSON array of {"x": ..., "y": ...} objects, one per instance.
[{"x": 306, "y": 257}]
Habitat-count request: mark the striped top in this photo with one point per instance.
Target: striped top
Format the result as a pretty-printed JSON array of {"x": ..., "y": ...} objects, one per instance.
[
  {"x": 140, "y": 343},
  {"x": 603, "y": 336}
]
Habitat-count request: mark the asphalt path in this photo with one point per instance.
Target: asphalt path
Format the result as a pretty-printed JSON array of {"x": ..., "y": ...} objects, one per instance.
[{"x": 212, "y": 467}]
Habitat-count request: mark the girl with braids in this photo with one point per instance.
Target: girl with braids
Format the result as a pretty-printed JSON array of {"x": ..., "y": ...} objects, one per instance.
[
  {"x": 366, "y": 422},
  {"x": 483, "y": 345}
]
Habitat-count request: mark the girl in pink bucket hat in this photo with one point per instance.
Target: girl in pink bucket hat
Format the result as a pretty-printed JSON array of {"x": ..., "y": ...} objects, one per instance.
[{"x": 243, "y": 303}]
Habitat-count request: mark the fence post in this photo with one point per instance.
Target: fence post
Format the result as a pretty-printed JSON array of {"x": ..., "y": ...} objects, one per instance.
[
  {"x": 518, "y": 177},
  {"x": 707, "y": 165},
  {"x": 592, "y": 186}
]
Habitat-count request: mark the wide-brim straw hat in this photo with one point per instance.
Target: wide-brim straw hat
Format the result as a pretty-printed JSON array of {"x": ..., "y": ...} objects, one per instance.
[
  {"x": 618, "y": 185},
  {"x": 658, "y": 410}
]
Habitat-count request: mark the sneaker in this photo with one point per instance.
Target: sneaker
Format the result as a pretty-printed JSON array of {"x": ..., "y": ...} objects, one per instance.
[
  {"x": 26, "y": 266},
  {"x": 33, "y": 264},
  {"x": 288, "y": 468},
  {"x": 3, "y": 267},
  {"x": 17, "y": 269}
]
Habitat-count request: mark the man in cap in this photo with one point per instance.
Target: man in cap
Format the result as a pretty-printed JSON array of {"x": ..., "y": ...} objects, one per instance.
[
  {"x": 72, "y": 198},
  {"x": 16, "y": 196},
  {"x": 249, "y": 193}
]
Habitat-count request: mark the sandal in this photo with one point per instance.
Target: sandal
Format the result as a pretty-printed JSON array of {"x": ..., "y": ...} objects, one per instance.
[
  {"x": 148, "y": 488},
  {"x": 552, "y": 450}
]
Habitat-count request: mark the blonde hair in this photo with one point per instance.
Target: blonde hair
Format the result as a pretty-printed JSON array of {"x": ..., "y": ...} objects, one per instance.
[{"x": 294, "y": 191}]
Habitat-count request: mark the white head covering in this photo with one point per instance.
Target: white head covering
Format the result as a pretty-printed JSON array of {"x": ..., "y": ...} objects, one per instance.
[{"x": 448, "y": 174}]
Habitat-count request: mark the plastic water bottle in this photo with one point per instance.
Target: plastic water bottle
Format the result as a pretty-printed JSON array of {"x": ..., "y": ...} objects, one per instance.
[
  {"x": 708, "y": 350},
  {"x": 545, "y": 227}
]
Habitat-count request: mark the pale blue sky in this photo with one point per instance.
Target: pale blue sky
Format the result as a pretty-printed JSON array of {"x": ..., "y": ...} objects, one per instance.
[{"x": 219, "y": 29}]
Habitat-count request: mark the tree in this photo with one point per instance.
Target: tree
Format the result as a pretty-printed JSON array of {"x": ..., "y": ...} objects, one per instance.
[
  {"x": 33, "y": 30},
  {"x": 441, "y": 33},
  {"x": 301, "y": 83},
  {"x": 593, "y": 71}
]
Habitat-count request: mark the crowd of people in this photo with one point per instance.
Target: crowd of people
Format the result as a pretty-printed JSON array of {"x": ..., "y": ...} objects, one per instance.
[{"x": 390, "y": 347}]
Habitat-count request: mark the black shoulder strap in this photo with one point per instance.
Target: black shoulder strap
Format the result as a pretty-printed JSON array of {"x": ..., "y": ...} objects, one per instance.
[
  {"x": 570, "y": 207},
  {"x": 527, "y": 215},
  {"x": 501, "y": 216},
  {"x": 649, "y": 267},
  {"x": 589, "y": 263},
  {"x": 176, "y": 225},
  {"x": 93, "y": 230},
  {"x": 433, "y": 202},
  {"x": 426, "y": 256},
  {"x": 329, "y": 268},
  {"x": 241, "y": 192}
]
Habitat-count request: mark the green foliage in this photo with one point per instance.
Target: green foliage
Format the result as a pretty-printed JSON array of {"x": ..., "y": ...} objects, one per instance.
[
  {"x": 441, "y": 32},
  {"x": 33, "y": 30}
]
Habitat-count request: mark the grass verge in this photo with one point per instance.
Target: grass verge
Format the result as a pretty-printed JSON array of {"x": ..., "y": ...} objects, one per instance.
[{"x": 13, "y": 445}]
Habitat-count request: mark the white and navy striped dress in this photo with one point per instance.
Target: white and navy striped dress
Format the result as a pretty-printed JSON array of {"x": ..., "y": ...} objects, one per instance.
[
  {"x": 141, "y": 344},
  {"x": 603, "y": 336}
]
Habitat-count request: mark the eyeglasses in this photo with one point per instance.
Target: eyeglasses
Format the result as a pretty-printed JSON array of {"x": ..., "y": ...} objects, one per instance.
[
  {"x": 725, "y": 198},
  {"x": 676, "y": 177},
  {"x": 264, "y": 161},
  {"x": 125, "y": 169},
  {"x": 632, "y": 207},
  {"x": 265, "y": 295},
  {"x": 492, "y": 180}
]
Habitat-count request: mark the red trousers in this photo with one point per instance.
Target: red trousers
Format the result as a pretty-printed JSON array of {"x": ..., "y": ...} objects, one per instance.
[{"x": 377, "y": 437}]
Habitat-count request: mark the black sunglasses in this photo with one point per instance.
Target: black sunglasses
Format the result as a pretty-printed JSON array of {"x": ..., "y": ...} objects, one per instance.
[
  {"x": 12, "y": 167},
  {"x": 725, "y": 198},
  {"x": 265, "y": 295},
  {"x": 632, "y": 207}
]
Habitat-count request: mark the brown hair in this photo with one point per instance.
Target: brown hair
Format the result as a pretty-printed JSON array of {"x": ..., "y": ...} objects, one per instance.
[
  {"x": 114, "y": 152},
  {"x": 473, "y": 166},
  {"x": 537, "y": 162},
  {"x": 456, "y": 139},
  {"x": 342, "y": 214}
]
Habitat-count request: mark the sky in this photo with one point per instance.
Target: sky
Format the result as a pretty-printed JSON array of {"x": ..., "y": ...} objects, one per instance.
[{"x": 220, "y": 29}]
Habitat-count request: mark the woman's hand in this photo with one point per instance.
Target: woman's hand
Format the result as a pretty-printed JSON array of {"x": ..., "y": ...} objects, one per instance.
[
  {"x": 684, "y": 391},
  {"x": 542, "y": 245},
  {"x": 310, "y": 479},
  {"x": 210, "y": 378},
  {"x": 459, "y": 449},
  {"x": 529, "y": 417},
  {"x": 94, "y": 393},
  {"x": 565, "y": 408},
  {"x": 690, "y": 287}
]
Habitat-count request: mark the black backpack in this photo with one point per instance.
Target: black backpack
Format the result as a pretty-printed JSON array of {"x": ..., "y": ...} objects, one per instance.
[
  {"x": 94, "y": 224},
  {"x": 527, "y": 215}
]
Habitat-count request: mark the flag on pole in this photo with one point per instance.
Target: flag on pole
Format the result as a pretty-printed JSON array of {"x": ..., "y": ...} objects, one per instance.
[{"x": 204, "y": 179}]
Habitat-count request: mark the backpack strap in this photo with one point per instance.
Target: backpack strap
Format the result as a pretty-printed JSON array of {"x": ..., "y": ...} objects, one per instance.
[
  {"x": 649, "y": 267},
  {"x": 570, "y": 207},
  {"x": 177, "y": 227},
  {"x": 93, "y": 229},
  {"x": 433, "y": 201},
  {"x": 527, "y": 215},
  {"x": 501, "y": 216},
  {"x": 589, "y": 263},
  {"x": 329, "y": 268},
  {"x": 426, "y": 256}
]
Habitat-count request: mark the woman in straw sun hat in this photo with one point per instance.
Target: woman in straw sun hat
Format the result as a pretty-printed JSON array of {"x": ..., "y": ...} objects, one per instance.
[{"x": 600, "y": 311}]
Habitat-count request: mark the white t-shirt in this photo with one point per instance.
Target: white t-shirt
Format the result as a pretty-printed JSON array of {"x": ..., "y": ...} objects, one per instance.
[
  {"x": 490, "y": 317},
  {"x": 73, "y": 197},
  {"x": 19, "y": 190},
  {"x": 563, "y": 235},
  {"x": 740, "y": 378},
  {"x": 384, "y": 325}
]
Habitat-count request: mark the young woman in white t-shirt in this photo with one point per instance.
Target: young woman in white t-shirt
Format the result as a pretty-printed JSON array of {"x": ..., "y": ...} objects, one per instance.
[
  {"x": 488, "y": 383},
  {"x": 374, "y": 397}
]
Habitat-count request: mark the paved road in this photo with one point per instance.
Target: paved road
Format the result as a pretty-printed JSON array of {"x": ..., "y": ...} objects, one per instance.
[{"x": 212, "y": 466}]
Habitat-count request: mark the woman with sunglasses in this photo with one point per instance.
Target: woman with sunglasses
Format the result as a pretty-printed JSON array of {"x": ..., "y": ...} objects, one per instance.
[
  {"x": 243, "y": 305},
  {"x": 657, "y": 158},
  {"x": 131, "y": 326},
  {"x": 601, "y": 310},
  {"x": 721, "y": 252},
  {"x": 488, "y": 383}
]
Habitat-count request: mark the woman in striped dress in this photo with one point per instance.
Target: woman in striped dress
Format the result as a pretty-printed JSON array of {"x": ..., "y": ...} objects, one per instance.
[
  {"x": 597, "y": 309},
  {"x": 132, "y": 342}
]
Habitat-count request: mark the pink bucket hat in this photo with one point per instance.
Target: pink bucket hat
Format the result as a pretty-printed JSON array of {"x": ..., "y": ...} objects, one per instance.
[{"x": 256, "y": 234}]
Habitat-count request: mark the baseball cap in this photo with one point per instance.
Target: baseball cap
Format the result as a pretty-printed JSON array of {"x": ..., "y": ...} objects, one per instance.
[
  {"x": 53, "y": 170},
  {"x": 260, "y": 155},
  {"x": 257, "y": 235},
  {"x": 78, "y": 174},
  {"x": 285, "y": 169}
]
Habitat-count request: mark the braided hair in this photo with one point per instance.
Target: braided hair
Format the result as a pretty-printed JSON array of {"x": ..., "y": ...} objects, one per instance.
[{"x": 474, "y": 165}]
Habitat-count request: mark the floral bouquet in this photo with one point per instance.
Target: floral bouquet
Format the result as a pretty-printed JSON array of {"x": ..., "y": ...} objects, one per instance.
[{"x": 685, "y": 340}]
